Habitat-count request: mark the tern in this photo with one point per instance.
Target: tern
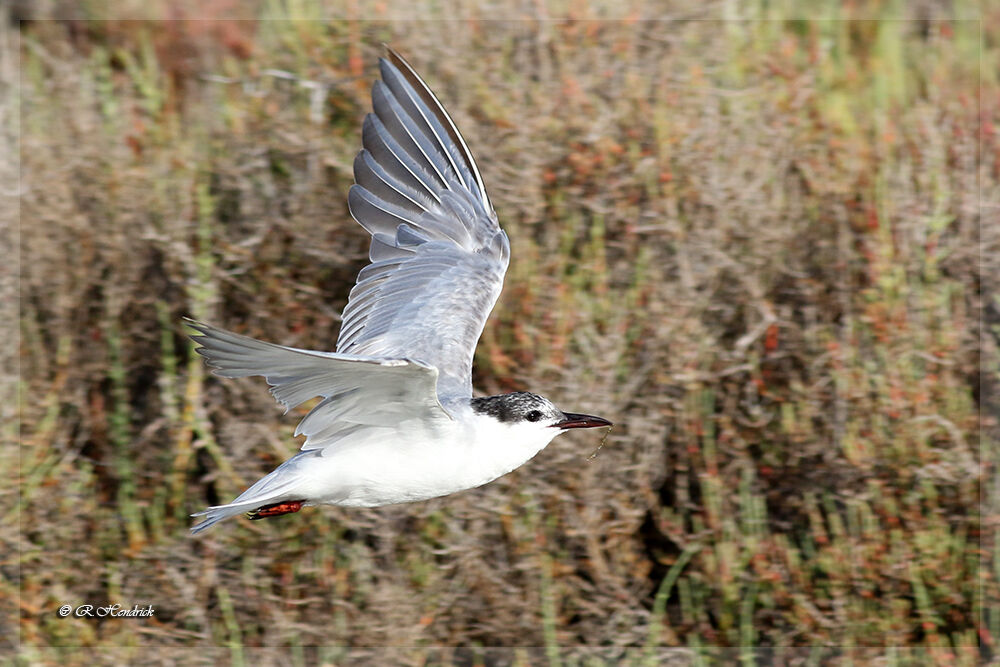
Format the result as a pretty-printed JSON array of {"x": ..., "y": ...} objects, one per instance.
[{"x": 397, "y": 421}]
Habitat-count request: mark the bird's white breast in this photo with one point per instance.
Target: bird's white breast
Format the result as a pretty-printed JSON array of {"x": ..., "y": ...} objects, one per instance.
[{"x": 419, "y": 460}]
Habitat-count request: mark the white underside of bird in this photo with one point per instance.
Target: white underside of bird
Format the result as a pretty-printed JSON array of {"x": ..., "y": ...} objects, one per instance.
[{"x": 405, "y": 461}]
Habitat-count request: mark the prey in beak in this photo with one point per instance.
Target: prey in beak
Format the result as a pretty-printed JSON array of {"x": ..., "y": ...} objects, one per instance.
[{"x": 573, "y": 420}]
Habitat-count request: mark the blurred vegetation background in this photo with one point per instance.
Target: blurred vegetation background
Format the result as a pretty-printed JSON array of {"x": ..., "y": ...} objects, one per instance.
[{"x": 751, "y": 234}]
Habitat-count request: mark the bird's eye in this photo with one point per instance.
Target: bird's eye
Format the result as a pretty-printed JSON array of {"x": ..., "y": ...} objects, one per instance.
[{"x": 533, "y": 416}]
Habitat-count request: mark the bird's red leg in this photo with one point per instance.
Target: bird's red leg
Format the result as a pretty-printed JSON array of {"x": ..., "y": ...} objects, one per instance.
[{"x": 277, "y": 509}]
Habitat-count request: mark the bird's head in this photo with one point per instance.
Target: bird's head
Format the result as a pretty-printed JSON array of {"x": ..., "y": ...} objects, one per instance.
[
  {"x": 512, "y": 428},
  {"x": 531, "y": 413}
]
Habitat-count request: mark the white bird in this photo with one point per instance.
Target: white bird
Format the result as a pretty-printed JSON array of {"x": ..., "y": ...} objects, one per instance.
[{"x": 398, "y": 422}]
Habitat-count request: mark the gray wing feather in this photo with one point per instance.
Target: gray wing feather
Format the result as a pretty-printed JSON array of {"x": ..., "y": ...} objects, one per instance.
[
  {"x": 438, "y": 253},
  {"x": 397, "y": 164},
  {"x": 356, "y": 390},
  {"x": 418, "y": 97}
]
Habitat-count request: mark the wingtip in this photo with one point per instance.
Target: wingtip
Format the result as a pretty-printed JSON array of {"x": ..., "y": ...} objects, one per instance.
[
  {"x": 392, "y": 53},
  {"x": 194, "y": 324},
  {"x": 394, "y": 59},
  {"x": 391, "y": 57}
]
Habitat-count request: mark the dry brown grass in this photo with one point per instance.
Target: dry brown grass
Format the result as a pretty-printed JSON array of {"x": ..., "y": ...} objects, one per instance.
[{"x": 753, "y": 244}]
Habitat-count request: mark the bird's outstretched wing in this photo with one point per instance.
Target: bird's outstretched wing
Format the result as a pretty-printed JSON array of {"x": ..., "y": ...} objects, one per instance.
[
  {"x": 357, "y": 391},
  {"x": 438, "y": 253}
]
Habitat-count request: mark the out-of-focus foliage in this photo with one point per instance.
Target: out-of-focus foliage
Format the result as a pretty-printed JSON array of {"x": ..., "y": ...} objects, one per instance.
[{"x": 752, "y": 243}]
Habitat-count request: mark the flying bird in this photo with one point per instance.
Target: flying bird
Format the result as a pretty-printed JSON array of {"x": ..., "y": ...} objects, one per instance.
[{"x": 397, "y": 421}]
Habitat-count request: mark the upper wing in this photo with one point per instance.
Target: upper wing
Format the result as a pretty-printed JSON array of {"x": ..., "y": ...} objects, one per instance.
[
  {"x": 438, "y": 253},
  {"x": 356, "y": 390}
]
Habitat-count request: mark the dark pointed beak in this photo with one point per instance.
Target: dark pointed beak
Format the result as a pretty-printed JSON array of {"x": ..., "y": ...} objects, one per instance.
[{"x": 574, "y": 420}]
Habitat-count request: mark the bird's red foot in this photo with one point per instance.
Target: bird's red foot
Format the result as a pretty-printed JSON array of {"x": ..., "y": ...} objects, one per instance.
[{"x": 277, "y": 509}]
